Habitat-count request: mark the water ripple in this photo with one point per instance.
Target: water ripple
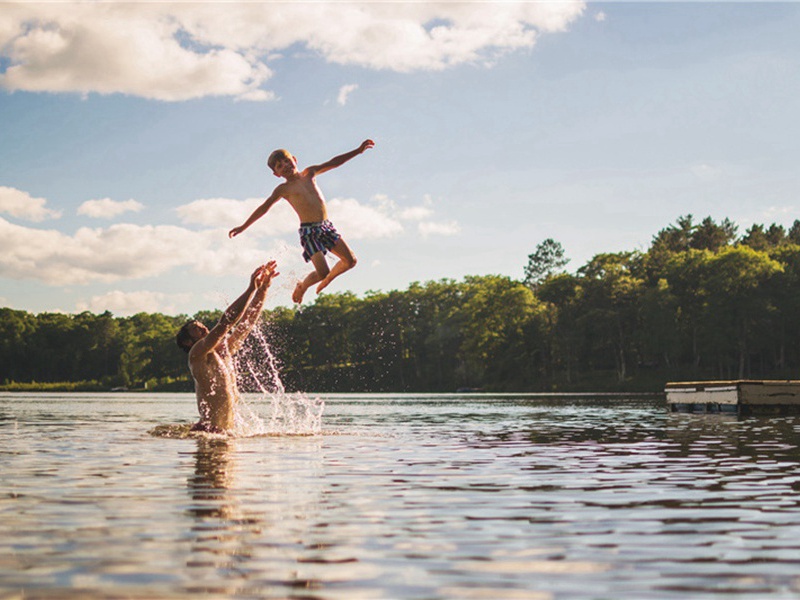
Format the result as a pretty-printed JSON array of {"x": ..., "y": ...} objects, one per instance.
[{"x": 413, "y": 497}]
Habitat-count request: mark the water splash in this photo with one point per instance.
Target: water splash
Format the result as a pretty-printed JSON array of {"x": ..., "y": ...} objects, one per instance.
[{"x": 288, "y": 413}]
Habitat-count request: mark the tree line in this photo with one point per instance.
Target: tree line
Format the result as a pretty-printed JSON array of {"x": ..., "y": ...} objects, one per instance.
[{"x": 702, "y": 302}]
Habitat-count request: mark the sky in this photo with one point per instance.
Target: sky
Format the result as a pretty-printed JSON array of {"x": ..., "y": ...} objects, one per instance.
[{"x": 134, "y": 135}]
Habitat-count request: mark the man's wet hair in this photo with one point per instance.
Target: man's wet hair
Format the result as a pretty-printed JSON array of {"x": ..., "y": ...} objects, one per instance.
[{"x": 183, "y": 338}]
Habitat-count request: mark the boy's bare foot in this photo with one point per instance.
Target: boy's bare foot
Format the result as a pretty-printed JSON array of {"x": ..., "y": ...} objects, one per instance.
[{"x": 299, "y": 292}]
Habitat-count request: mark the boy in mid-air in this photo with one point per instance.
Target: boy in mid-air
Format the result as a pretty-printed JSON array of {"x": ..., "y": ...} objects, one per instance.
[{"x": 317, "y": 234}]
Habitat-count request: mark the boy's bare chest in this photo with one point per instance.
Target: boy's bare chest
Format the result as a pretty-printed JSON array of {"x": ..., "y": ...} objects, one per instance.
[{"x": 303, "y": 191}]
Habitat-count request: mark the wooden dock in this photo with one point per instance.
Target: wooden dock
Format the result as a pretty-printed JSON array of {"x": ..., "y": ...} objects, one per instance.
[{"x": 743, "y": 396}]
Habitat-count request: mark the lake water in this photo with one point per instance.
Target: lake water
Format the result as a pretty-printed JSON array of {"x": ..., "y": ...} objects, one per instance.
[{"x": 398, "y": 496}]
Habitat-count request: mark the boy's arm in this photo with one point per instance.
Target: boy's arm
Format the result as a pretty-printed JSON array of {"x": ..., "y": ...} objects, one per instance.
[
  {"x": 228, "y": 319},
  {"x": 338, "y": 161},
  {"x": 257, "y": 213},
  {"x": 253, "y": 311}
]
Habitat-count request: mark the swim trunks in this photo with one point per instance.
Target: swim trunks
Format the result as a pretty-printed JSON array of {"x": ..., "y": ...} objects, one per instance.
[{"x": 317, "y": 237}]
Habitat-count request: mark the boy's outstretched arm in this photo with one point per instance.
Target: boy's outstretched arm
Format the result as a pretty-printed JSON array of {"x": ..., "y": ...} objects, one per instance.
[
  {"x": 257, "y": 214},
  {"x": 338, "y": 161}
]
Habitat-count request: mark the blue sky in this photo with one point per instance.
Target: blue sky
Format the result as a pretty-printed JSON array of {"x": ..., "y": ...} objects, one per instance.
[{"x": 134, "y": 135}]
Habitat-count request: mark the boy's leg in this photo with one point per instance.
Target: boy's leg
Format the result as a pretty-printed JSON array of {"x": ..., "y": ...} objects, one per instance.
[
  {"x": 347, "y": 260},
  {"x": 319, "y": 273}
]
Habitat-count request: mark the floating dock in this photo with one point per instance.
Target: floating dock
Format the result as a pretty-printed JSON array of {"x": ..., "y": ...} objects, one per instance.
[{"x": 742, "y": 396}]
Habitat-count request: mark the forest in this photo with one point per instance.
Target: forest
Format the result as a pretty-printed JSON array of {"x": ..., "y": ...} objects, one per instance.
[{"x": 701, "y": 303}]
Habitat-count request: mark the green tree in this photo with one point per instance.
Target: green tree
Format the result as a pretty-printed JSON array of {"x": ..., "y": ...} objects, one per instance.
[
  {"x": 776, "y": 235},
  {"x": 16, "y": 330},
  {"x": 686, "y": 274},
  {"x": 547, "y": 260},
  {"x": 785, "y": 324},
  {"x": 498, "y": 315},
  {"x": 563, "y": 339},
  {"x": 793, "y": 235},
  {"x": 710, "y": 236},
  {"x": 612, "y": 287},
  {"x": 737, "y": 306},
  {"x": 756, "y": 238},
  {"x": 676, "y": 238}
]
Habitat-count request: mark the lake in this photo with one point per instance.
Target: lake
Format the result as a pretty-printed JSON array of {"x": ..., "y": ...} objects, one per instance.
[{"x": 396, "y": 496}]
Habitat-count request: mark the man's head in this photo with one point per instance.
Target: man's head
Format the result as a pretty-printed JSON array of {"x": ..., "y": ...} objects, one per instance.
[
  {"x": 190, "y": 333},
  {"x": 278, "y": 157}
]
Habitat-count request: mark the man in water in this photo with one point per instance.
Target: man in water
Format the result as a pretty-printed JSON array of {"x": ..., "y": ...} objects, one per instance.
[{"x": 211, "y": 352}]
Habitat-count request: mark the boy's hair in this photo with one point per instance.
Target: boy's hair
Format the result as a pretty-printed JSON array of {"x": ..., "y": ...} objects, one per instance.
[
  {"x": 280, "y": 153},
  {"x": 183, "y": 338}
]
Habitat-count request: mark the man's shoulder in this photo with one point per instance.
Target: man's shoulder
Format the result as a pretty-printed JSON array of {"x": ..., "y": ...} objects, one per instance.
[{"x": 200, "y": 352}]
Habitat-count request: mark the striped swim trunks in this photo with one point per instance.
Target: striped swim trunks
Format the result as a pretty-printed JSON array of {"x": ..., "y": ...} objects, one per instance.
[{"x": 317, "y": 237}]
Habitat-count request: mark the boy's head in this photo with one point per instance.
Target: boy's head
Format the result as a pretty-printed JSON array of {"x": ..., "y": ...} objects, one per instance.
[{"x": 276, "y": 156}]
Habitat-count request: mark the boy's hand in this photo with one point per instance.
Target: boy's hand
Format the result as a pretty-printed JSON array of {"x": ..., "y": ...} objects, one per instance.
[
  {"x": 235, "y": 231},
  {"x": 365, "y": 145}
]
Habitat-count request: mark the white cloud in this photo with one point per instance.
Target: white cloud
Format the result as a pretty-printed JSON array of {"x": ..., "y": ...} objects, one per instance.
[
  {"x": 127, "y": 251},
  {"x": 415, "y": 213},
  {"x": 358, "y": 221},
  {"x": 128, "y": 48},
  {"x": 121, "y": 251},
  {"x": 344, "y": 93},
  {"x": 228, "y": 213},
  {"x": 706, "y": 172},
  {"x": 22, "y": 205},
  {"x": 430, "y": 228},
  {"x": 178, "y": 51},
  {"x": 106, "y": 208},
  {"x": 379, "y": 218},
  {"x": 125, "y": 304},
  {"x": 600, "y": 16},
  {"x": 91, "y": 254}
]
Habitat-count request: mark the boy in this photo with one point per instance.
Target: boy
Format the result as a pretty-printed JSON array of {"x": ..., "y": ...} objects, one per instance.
[
  {"x": 317, "y": 234},
  {"x": 212, "y": 352}
]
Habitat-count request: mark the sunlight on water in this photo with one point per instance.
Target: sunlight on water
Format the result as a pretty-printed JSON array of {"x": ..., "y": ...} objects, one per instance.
[{"x": 500, "y": 497}]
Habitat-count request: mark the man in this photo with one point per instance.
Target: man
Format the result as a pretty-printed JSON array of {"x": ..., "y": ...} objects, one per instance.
[{"x": 211, "y": 352}]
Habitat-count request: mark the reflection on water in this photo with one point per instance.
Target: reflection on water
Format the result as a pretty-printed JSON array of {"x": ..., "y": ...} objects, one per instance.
[
  {"x": 222, "y": 533},
  {"x": 403, "y": 497},
  {"x": 251, "y": 512},
  {"x": 213, "y": 477}
]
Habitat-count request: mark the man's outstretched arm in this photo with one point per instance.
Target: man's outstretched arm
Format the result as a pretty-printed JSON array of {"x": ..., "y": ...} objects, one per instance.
[
  {"x": 229, "y": 317},
  {"x": 253, "y": 310}
]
